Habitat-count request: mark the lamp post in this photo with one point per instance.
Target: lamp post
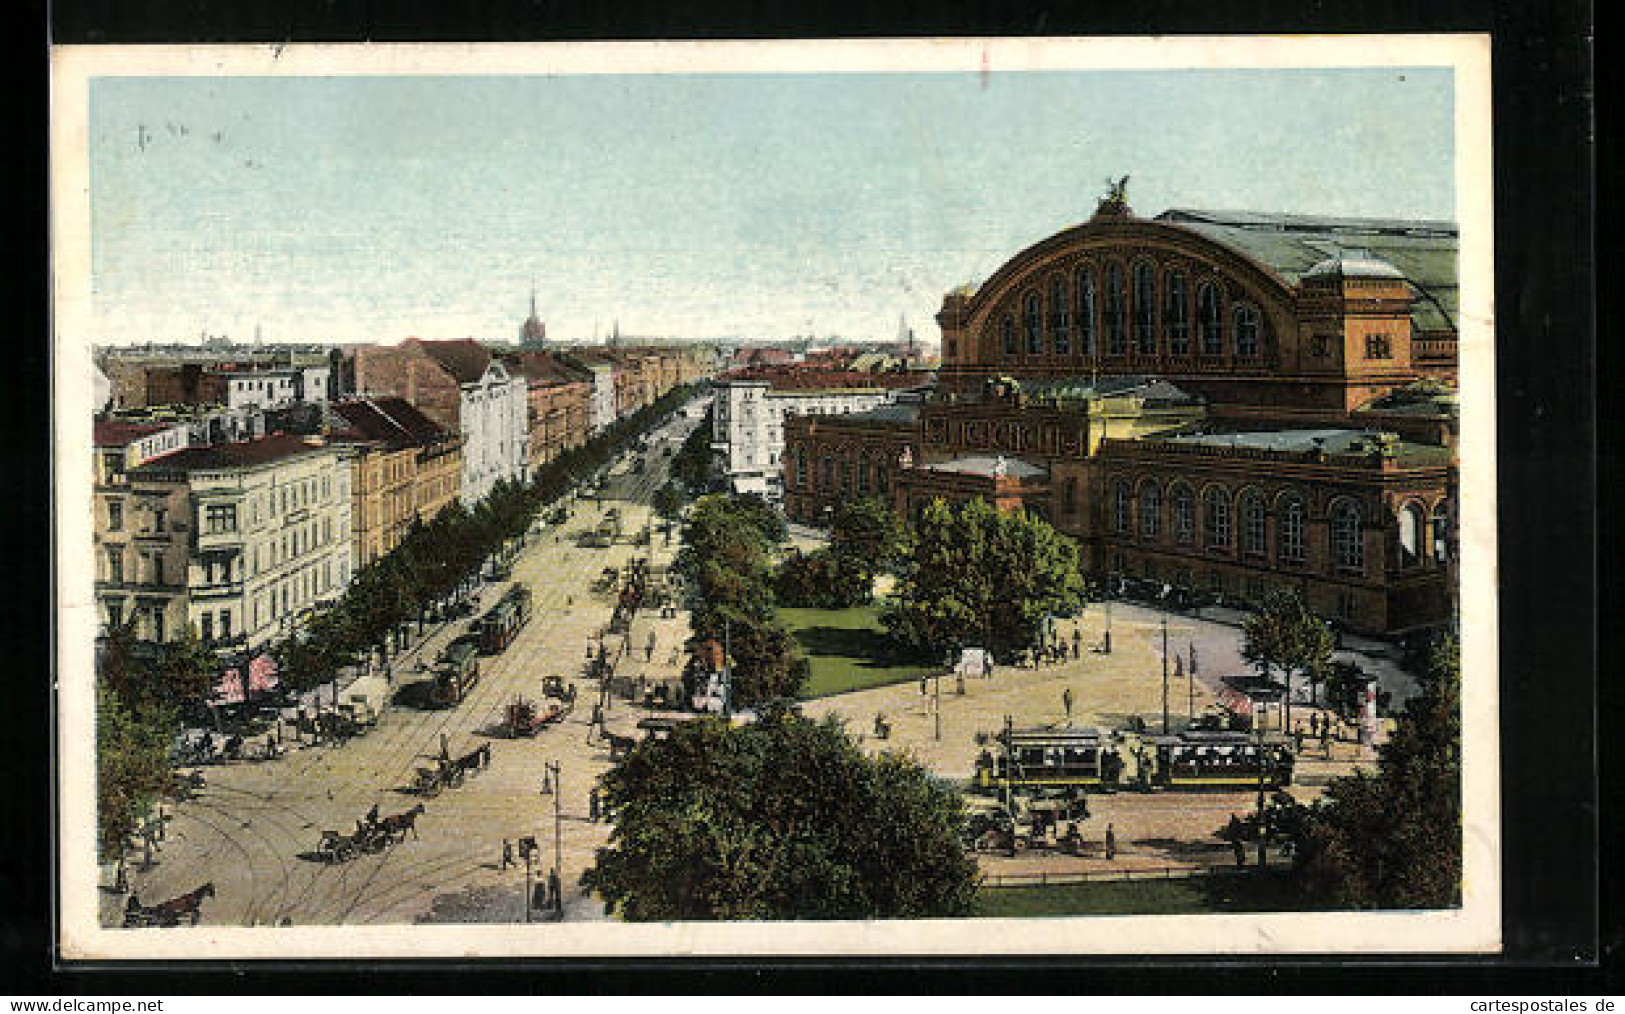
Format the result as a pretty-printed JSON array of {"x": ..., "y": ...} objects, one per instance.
[
  {"x": 1165, "y": 674},
  {"x": 1258, "y": 738},
  {"x": 558, "y": 833}
]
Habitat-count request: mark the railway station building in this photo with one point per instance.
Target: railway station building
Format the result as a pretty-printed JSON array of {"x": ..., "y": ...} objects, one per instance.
[{"x": 1215, "y": 401}]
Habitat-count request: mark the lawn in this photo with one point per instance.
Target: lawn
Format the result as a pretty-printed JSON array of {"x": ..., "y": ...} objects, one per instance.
[
  {"x": 847, "y": 649},
  {"x": 1196, "y": 896}
]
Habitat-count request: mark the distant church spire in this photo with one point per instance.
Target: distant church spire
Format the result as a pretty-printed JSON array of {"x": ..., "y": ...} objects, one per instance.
[{"x": 533, "y": 331}]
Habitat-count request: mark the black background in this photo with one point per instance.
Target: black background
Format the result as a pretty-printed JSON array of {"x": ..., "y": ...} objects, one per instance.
[{"x": 1548, "y": 370}]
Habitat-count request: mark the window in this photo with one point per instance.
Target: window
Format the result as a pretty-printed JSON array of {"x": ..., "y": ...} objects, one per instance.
[
  {"x": 1320, "y": 346},
  {"x": 1244, "y": 321},
  {"x": 1292, "y": 531},
  {"x": 1441, "y": 532},
  {"x": 1377, "y": 347},
  {"x": 1216, "y": 528},
  {"x": 801, "y": 467},
  {"x": 1345, "y": 604},
  {"x": 1069, "y": 496},
  {"x": 1060, "y": 332},
  {"x": 1252, "y": 524},
  {"x": 1207, "y": 308},
  {"x": 1348, "y": 551},
  {"x": 220, "y": 518},
  {"x": 1179, "y": 329},
  {"x": 846, "y": 478},
  {"x": 1086, "y": 310},
  {"x": 828, "y": 474},
  {"x": 225, "y": 624},
  {"x": 1145, "y": 309},
  {"x": 863, "y": 475},
  {"x": 207, "y": 625},
  {"x": 1007, "y": 333},
  {"x": 1116, "y": 338},
  {"x": 1184, "y": 516},
  {"x": 115, "y": 564},
  {"x": 1410, "y": 536},
  {"x": 115, "y": 612},
  {"x": 882, "y": 483},
  {"x": 157, "y": 565},
  {"x": 1120, "y": 516},
  {"x": 159, "y": 516},
  {"x": 115, "y": 516},
  {"x": 1030, "y": 324},
  {"x": 158, "y": 623},
  {"x": 1150, "y": 511}
]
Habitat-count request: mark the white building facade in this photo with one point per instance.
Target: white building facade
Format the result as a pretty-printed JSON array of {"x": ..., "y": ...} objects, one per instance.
[
  {"x": 493, "y": 416},
  {"x": 747, "y": 427},
  {"x": 602, "y": 411}
]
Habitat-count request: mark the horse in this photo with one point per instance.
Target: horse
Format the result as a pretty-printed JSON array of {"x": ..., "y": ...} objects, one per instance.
[
  {"x": 400, "y": 823},
  {"x": 170, "y": 913}
]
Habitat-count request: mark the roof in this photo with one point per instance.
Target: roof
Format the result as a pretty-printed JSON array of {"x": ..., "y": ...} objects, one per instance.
[
  {"x": 985, "y": 466},
  {"x": 903, "y": 412},
  {"x": 464, "y": 359},
  {"x": 545, "y": 368},
  {"x": 1149, "y": 389},
  {"x": 391, "y": 420},
  {"x": 1423, "y": 252},
  {"x": 239, "y": 454},
  {"x": 119, "y": 432},
  {"x": 1332, "y": 441},
  {"x": 1423, "y": 398}
]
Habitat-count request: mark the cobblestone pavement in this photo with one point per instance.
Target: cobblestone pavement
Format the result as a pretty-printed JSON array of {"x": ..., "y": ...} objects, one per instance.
[{"x": 253, "y": 829}]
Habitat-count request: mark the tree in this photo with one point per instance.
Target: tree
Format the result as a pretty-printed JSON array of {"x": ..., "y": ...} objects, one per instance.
[
  {"x": 668, "y": 500},
  {"x": 1394, "y": 839},
  {"x": 817, "y": 580},
  {"x": 781, "y": 819},
  {"x": 765, "y": 664},
  {"x": 186, "y": 670},
  {"x": 1284, "y": 634},
  {"x": 866, "y": 539},
  {"x": 120, "y": 668},
  {"x": 132, "y": 764},
  {"x": 978, "y": 575}
]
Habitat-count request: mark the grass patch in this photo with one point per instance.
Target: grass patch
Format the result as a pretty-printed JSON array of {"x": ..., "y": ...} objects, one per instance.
[
  {"x": 1249, "y": 892},
  {"x": 847, "y": 649}
]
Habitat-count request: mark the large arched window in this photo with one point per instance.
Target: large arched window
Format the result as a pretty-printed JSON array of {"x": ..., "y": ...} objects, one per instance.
[
  {"x": 1184, "y": 516},
  {"x": 1252, "y": 524},
  {"x": 1244, "y": 322},
  {"x": 1410, "y": 535},
  {"x": 1150, "y": 511},
  {"x": 1007, "y": 334},
  {"x": 1291, "y": 531},
  {"x": 1116, "y": 335},
  {"x": 828, "y": 475},
  {"x": 1208, "y": 319},
  {"x": 1086, "y": 310},
  {"x": 801, "y": 467},
  {"x": 1216, "y": 519},
  {"x": 1348, "y": 550},
  {"x": 1060, "y": 323},
  {"x": 863, "y": 474},
  {"x": 846, "y": 477},
  {"x": 1120, "y": 508},
  {"x": 1179, "y": 328},
  {"x": 1145, "y": 309},
  {"x": 1032, "y": 325}
]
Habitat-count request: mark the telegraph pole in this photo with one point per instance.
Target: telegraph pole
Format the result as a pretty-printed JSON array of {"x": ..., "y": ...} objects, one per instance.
[{"x": 1165, "y": 674}]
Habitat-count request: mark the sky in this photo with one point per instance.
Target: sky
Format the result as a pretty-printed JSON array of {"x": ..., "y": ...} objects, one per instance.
[{"x": 696, "y": 206}]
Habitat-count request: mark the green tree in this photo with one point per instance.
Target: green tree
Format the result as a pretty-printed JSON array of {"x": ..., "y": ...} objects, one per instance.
[
  {"x": 781, "y": 819},
  {"x": 866, "y": 539},
  {"x": 1283, "y": 634},
  {"x": 978, "y": 575},
  {"x": 816, "y": 580},
  {"x": 132, "y": 765},
  {"x": 186, "y": 670},
  {"x": 765, "y": 664},
  {"x": 1394, "y": 839},
  {"x": 120, "y": 667},
  {"x": 668, "y": 500}
]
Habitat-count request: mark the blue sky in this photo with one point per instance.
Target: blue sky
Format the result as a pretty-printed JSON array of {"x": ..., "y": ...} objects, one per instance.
[{"x": 369, "y": 209}]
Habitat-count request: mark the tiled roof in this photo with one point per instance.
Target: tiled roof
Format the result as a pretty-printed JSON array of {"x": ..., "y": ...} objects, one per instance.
[
  {"x": 1290, "y": 245},
  {"x": 900, "y": 413},
  {"x": 1151, "y": 389},
  {"x": 391, "y": 420},
  {"x": 1332, "y": 441},
  {"x": 119, "y": 432},
  {"x": 545, "y": 368},
  {"x": 465, "y": 359},
  {"x": 241, "y": 454}
]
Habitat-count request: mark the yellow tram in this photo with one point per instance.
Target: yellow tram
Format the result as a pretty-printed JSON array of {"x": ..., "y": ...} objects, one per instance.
[{"x": 1028, "y": 760}]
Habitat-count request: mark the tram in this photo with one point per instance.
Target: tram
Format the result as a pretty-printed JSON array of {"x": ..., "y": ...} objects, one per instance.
[
  {"x": 1193, "y": 760},
  {"x": 498, "y": 627}
]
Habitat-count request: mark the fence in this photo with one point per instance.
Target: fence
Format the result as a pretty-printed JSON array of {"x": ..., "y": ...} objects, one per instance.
[{"x": 1045, "y": 879}]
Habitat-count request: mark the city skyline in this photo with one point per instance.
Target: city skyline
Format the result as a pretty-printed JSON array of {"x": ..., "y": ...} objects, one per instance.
[{"x": 690, "y": 206}]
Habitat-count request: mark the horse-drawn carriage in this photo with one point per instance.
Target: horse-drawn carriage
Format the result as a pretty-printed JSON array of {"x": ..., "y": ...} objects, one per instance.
[
  {"x": 169, "y": 913},
  {"x": 526, "y": 718},
  {"x": 372, "y": 834},
  {"x": 554, "y": 686}
]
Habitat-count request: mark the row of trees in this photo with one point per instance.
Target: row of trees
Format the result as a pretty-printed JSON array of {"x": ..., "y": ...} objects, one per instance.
[
  {"x": 437, "y": 563},
  {"x": 726, "y": 562}
]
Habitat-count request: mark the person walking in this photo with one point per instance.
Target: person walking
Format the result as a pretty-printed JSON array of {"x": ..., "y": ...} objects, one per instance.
[
  {"x": 592, "y": 805},
  {"x": 507, "y": 854},
  {"x": 554, "y": 900},
  {"x": 1066, "y": 701},
  {"x": 1111, "y": 842},
  {"x": 1077, "y": 643}
]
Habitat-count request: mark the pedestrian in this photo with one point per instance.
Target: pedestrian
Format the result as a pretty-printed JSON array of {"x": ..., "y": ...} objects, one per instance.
[
  {"x": 592, "y": 805},
  {"x": 922, "y": 685},
  {"x": 1241, "y": 851},
  {"x": 507, "y": 854},
  {"x": 1106, "y": 643},
  {"x": 121, "y": 877},
  {"x": 987, "y": 665},
  {"x": 372, "y": 815},
  {"x": 445, "y": 751},
  {"x": 1297, "y": 739},
  {"x": 1111, "y": 842},
  {"x": 1077, "y": 643},
  {"x": 1066, "y": 699},
  {"x": 554, "y": 901},
  {"x": 547, "y": 781}
]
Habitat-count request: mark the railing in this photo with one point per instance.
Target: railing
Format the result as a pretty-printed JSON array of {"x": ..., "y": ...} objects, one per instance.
[{"x": 1437, "y": 348}]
